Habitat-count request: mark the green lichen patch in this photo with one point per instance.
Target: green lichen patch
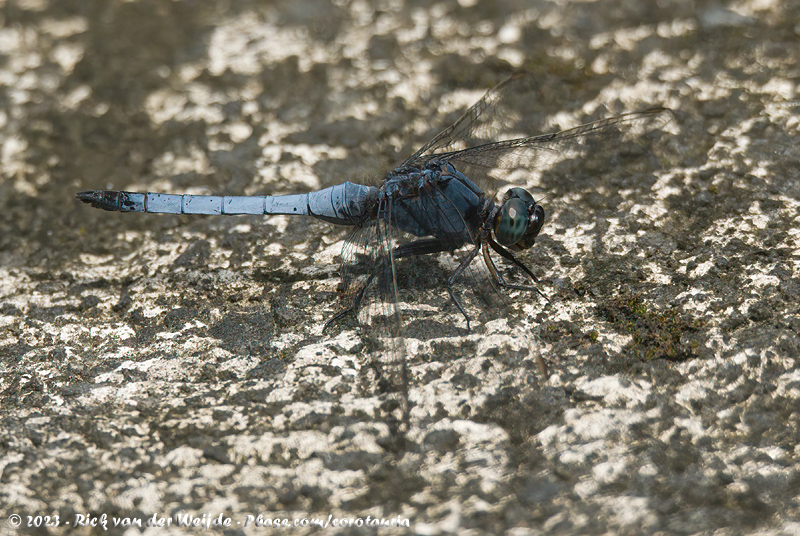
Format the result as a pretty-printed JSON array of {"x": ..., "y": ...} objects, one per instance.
[{"x": 670, "y": 334}]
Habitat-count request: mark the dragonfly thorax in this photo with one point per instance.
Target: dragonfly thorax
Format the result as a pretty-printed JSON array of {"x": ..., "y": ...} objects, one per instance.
[
  {"x": 434, "y": 200},
  {"x": 519, "y": 219}
]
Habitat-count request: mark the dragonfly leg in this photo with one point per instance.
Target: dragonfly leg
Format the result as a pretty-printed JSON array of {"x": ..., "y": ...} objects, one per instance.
[
  {"x": 498, "y": 278},
  {"x": 352, "y": 308},
  {"x": 423, "y": 246},
  {"x": 435, "y": 245},
  {"x": 503, "y": 252},
  {"x": 461, "y": 267}
]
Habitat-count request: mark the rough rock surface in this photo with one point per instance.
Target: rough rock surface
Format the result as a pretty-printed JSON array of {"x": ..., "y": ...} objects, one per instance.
[{"x": 164, "y": 365}]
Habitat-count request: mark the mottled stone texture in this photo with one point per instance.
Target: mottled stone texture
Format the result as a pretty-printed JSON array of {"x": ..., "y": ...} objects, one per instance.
[{"x": 177, "y": 364}]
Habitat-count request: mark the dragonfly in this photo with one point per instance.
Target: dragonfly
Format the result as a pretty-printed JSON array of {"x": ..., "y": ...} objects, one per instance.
[{"x": 425, "y": 206}]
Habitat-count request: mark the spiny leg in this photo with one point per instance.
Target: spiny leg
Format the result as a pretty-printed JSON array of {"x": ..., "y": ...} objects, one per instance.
[
  {"x": 498, "y": 278},
  {"x": 449, "y": 236},
  {"x": 435, "y": 245},
  {"x": 423, "y": 246},
  {"x": 427, "y": 246},
  {"x": 461, "y": 267},
  {"x": 353, "y": 307},
  {"x": 503, "y": 252}
]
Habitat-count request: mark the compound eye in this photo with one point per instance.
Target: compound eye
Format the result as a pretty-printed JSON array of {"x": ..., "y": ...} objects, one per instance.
[
  {"x": 520, "y": 193},
  {"x": 536, "y": 221},
  {"x": 512, "y": 221}
]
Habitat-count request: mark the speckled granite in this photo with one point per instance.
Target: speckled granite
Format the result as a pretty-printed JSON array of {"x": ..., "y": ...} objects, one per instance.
[{"x": 177, "y": 365}]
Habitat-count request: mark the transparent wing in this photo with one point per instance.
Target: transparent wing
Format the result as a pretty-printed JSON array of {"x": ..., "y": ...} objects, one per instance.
[
  {"x": 396, "y": 373},
  {"x": 494, "y": 132},
  {"x": 369, "y": 291},
  {"x": 483, "y": 120},
  {"x": 397, "y": 284},
  {"x": 443, "y": 281},
  {"x": 360, "y": 258},
  {"x": 538, "y": 151},
  {"x": 437, "y": 210}
]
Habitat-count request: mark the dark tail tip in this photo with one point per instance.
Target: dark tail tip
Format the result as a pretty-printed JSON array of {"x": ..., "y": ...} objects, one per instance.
[
  {"x": 104, "y": 199},
  {"x": 87, "y": 196}
]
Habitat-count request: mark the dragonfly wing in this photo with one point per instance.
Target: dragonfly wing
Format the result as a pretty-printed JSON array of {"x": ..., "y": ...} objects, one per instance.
[
  {"x": 397, "y": 371},
  {"x": 369, "y": 291},
  {"x": 484, "y": 120},
  {"x": 540, "y": 151},
  {"x": 445, "y": 218},
  {"x": 504, "y": 113}
]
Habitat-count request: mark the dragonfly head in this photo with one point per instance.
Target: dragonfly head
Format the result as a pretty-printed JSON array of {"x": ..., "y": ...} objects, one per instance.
[{"x": 519, "y": 220}]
